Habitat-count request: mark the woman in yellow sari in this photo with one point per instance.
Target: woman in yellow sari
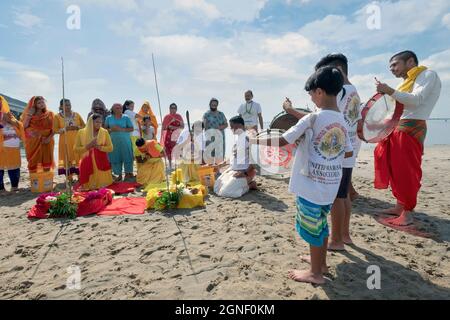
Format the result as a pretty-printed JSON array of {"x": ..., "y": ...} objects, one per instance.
[
  {"x": 146, "y": 110},
  {"x": 150, "y": 167},
  {"x": 67, "y": 128},
  {"x": 39, "y": 144},
  {"x": 11, "y": 132},
  {"x": 93, "y": 144}
]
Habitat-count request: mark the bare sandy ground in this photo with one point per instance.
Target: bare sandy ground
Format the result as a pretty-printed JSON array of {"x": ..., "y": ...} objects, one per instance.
[{"x": 232, "y": 249}]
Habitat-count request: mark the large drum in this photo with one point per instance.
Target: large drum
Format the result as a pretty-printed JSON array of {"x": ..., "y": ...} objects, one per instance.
[
  {"x": 285, "y": 121},
  {"x": 274, "y": 160},
  {"x": 379, "y": 118}
]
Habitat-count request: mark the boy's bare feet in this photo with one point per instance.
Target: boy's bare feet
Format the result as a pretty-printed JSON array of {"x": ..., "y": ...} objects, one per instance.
[
  {"x": 307, "y": 259},
  {"x": 347, "y": 240},
  {"x": 306, "y": 276},
  {"x": 394, "y": 211},
  {"x": 336, "y": 246},
  {"x": 405, "y": 219}
]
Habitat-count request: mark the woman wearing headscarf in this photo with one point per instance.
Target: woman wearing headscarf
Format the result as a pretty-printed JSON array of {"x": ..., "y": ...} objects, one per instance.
[
  {"x": 146, "y": 111},
  {"x": 171, "y": 126},
  {"x": 93, "y": 143},
  {"x": 120, "y": 127},
  {"x": 67, "y": 123},
  {"x": 100, "y": 108},
  {"x": 39, "y": 143},
  {"x": 11, "y": 132}
]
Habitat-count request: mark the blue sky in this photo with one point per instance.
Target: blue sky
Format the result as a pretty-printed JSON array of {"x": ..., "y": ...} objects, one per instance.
[{"x": 210, "y": 48}]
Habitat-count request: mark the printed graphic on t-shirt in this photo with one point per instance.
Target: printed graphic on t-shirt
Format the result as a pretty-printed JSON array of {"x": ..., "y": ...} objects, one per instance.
[
  {"x": 330, "y": 142},
  {"x": 351, "y": 111}
]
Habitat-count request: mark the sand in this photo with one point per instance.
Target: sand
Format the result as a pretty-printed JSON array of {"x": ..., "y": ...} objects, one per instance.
[{"x": 232, "y": 249}]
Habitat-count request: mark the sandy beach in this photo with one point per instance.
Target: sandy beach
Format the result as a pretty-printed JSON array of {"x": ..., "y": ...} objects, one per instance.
[{"x": 232, "y": 249}]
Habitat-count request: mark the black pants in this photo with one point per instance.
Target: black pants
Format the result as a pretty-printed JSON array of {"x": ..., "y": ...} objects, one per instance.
[{"x": 14, "y": 177}]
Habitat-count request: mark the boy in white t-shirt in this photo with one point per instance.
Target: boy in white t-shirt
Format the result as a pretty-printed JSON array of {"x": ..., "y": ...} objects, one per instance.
[
  {"x": 349, "y": 104},
  {"x": 316, "y": 174}
]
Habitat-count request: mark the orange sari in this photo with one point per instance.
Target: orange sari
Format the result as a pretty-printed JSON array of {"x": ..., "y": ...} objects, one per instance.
[
  {"x": 150, "y": 114},
  {"x": 39, "y": 155}
]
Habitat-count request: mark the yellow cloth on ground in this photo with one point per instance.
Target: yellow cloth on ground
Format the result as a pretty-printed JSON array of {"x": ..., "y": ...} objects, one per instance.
[
  {"x": 69, "y": 138},
  {"x": 408, "y": 84},
  {"x": 151, "y": 172},
  {"x": 99, "y": 179},
  {"x": 190, "y": 172},
  {"x": 188, "y": 201},
  {"x": 10, "y": 158}
]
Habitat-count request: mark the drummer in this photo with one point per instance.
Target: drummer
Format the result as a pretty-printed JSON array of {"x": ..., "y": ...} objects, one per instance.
[
  {"x": 398, "y": 158},
  {"x": 251, "y": 112}
]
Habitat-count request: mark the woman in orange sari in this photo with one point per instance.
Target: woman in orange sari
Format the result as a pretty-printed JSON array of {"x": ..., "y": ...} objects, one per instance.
[
  {"x": 146, "y": 111},
  {"x": 39, "y": 144}
]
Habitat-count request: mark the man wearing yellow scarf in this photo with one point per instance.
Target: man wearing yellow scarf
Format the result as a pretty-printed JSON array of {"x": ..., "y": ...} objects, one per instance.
[{"x": 398, "y": 159}]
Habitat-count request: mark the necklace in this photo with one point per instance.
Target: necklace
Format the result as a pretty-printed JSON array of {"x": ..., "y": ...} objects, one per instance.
[{"x": 246, "y": 108}]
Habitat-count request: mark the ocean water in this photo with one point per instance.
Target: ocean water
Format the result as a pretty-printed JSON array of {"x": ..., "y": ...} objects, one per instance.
[{"x": 438, "y": 134}]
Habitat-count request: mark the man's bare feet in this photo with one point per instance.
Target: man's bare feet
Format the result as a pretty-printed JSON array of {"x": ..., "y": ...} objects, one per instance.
[
  {"x": 336, "y": 246},
  {"x": 307, "y": 259},
  {"x": 405, "y": 219},
  {"x": 306, "y": 276},
  {"x": 394, "y": 211}
]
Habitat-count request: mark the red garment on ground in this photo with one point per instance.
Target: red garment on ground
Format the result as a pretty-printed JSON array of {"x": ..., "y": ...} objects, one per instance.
[
  {"x": 125, "y": 206},
  {"x": 123, "y": 187},
  {"x": 398, "y": 161}
]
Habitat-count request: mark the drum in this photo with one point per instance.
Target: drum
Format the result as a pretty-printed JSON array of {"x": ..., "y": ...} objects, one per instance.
[
  {"x": 285, "y": 121},
  {"x": 379, "y": 118},
  {"x": 274, "y": 160}
]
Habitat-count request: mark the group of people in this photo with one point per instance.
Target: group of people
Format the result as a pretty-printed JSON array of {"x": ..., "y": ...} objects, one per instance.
[
  {"x": 327, "y": 147},
  {"x": 105, "y": 148}
]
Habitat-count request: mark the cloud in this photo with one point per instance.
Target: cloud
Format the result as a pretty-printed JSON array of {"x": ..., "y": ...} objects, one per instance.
[
  {"x": 291, "y": 44},
  {"x": 201, "y": 6},
  {"x": 27, "y": 20},
  {"x": 336, "y": 29},
  {"x": 446, "y": 20},
  {"x": 120, "y": 5}
]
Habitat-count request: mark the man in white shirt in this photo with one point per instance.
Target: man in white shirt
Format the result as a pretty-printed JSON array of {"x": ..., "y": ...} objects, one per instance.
[
  {"x": 251, "y": 112},
  {"x": 398, "y": 159}
]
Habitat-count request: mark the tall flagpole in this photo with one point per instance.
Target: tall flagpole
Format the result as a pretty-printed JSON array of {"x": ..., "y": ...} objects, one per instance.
[
  {"x": 161, "y": 117},
  {"x": 66, "y": 152}
]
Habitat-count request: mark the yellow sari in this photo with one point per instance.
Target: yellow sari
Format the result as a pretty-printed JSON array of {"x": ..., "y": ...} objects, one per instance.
[
  {"x": 150, "y": 114},
  {"x": 151, "y": 171},
  {"x": 69, "y": 138},
  {"x": 98, "y": 173},
  {"x": 9, "y": 157}
]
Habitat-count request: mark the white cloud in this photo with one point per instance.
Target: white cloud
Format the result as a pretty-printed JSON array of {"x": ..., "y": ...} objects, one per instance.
[
  {"x": 120, "y": 5},
  {"x": 27, "y": 20},
  {"x": 446, "y": 20},
  {"x": 291, "y": 45},
  {"x": 175, "y": 45},
  {"x": 208, "y": 9},
  {"x": 124, "y": 28},
  {"x": 335, "y": 29}
]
